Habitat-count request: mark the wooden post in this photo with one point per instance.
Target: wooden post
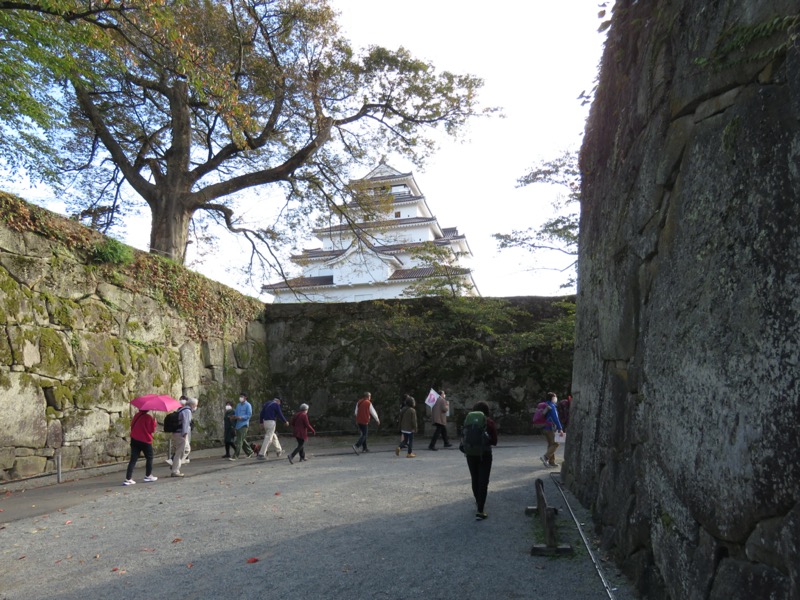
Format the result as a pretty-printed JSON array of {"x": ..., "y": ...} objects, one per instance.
[{"x": 547, "y": 514}]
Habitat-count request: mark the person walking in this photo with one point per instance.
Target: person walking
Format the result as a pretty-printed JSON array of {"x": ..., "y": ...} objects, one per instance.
[
  {"x": 241, "y": 419},
  {"x": 480, "y": 467},
  {"x": 188, "y": 447},
  {"x": 408, "y": 426},
  {"x": 270, "y": 413},
  {"x": 364, "y": 412},
  {"x": 181, "y": 437},
  {"x": 439, "y": 417},
  {"x": 229, "y": 429},
  {"x": 300, "y": 428},
  {"x": 550, "y": 428},
  {"x": 143, "y": 426}
]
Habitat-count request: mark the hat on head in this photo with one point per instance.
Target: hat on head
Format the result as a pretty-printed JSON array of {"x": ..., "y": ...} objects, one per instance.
[{"x": 304, "y": 406}]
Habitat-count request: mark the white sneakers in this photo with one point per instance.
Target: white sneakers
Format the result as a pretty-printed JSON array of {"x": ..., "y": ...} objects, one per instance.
[{"x": 148, "y": 479}]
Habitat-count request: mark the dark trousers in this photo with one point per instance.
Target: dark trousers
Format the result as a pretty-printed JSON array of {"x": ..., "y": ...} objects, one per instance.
[
  {"x": 230, "y": 448},
  {"x": 480, "y": 467},
  {"x": 362, "y": 439},
  {"x": 439, "y": 429},
  {"x": 299, "y": 450},
  {"x": 408, "y": 441},
  {"x": 136, "y": 448}
]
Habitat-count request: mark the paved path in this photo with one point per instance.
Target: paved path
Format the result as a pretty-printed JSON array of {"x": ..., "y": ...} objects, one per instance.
[{"x": 373, "y": 526}]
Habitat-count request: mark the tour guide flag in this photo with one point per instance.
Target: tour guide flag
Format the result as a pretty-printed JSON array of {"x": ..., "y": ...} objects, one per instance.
[{"x": 432, "y": 398}]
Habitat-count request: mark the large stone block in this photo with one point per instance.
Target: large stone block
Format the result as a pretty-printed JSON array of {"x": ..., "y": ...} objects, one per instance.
[
  {"x": 191, "y": 365},
  {"x": 28, "y": 466},
  {"x": 257, "y": 332},
  {"x": 70, "y": 457},
  {"x": 213, "y": 353},
  {"x": 25, "y": 270},
  {"x": 55, "y": 434},
  {"x": 243, "y": 354},
  {"x": 11, "y": 241},
  {"x": 147, "y": 323},
  {"x": 67, "y": 279},
  {"x": 39, "y": 246},
  {"x": 99, "y": 318},
  {"x": 22, "y": 412},
  {"x": 82, "y": 425},
  {"x": 116, "y": 298},
  {"x": 7, "y": 456},
  {"x": 743, "y": 579}
]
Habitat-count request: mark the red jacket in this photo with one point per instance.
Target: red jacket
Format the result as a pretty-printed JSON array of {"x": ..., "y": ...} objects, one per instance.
[
  {"x": 143, "y": 426},
  {"x": 301, "y": 426}
]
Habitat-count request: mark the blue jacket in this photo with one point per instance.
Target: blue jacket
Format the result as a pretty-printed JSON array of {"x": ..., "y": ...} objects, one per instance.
[
  {"x": 185, "y": 415},
  {"x": 271, "y": 411},
  {"x": 553, "y": 421},
  {"x": 243, "y": 409}
]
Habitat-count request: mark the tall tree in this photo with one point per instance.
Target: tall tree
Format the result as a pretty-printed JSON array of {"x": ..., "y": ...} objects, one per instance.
[
  {"x": 559, "y": 233},
  {"x": 196, "y": 101}
]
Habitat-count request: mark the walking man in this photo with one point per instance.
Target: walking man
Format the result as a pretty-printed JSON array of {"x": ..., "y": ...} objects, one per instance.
[
  {"x": 270, "y": 413},
  {"x": 181, "y": 437},
  {"x": 439, "y": 417},
  {"x": 241, "y": 416},
  {"x": 364, "y": 411},
  {"x": 553, "y": 424}
]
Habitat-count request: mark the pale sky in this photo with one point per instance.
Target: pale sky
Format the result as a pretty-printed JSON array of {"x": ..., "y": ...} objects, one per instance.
[{"x": 536, "y": 58}]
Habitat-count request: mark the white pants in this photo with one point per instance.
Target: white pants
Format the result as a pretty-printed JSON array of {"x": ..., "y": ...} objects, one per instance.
[
  {"x": 179, "y": 445},
  {"x": 270, "y": 437}
]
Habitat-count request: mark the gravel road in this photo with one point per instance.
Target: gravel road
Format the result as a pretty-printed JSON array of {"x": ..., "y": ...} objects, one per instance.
[{"x": 373, "y": 526}]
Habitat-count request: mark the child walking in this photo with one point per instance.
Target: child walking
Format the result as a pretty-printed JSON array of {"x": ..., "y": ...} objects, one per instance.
[
  {"x": 300, "y": 428},
  {"x": 408, "y": 425}
]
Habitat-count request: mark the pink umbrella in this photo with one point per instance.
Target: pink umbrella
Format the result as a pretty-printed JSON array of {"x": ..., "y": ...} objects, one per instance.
[{"x": 162, "y": 403}]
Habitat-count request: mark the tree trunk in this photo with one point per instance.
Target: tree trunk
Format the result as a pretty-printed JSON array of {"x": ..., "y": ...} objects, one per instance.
[{"x": 169, "y": 230}]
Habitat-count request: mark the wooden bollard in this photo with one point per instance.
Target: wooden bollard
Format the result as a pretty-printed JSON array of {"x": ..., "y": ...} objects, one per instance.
[{"x": 547, "y": 514}]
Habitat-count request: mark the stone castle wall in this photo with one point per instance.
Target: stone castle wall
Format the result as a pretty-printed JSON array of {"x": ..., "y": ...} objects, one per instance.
[
  {"x": 78, "y": 342},
  {"x": 685, "y": 422},
  {"x": 80, "y": 338}
]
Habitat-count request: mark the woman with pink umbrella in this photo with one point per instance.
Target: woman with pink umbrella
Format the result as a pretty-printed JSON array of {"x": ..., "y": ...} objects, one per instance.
[{"x": 143, "y": 426}]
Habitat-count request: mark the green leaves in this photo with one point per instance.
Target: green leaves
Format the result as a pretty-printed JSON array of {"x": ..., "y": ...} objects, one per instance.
[{"x": 559, "y": 233}]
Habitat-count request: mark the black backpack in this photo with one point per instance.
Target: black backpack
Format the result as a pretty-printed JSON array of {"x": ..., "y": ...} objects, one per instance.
[
  {"x": 474, "y": 436},
  {"x": 172, "y": 422}
]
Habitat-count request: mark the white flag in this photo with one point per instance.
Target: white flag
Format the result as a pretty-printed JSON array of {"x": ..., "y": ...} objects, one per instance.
[{"x": 432, "y": 398}]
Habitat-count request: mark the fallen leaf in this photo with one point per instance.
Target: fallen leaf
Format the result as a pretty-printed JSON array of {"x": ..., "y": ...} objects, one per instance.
[
  {"x": 252, "y": 560},
  {"x": 21, "y": 557},
  {"x": 67, "y": 522},
  {"x": 189, "y": 565},
  {"x": 277, "y": 493},
  {"x": 176, "y": 540},
  {"x": 97, "y": 556},
  {"x": 148, "y": 549},
  {"x": 2, "y": 510},
  {"x": 114, "y": 569}
]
